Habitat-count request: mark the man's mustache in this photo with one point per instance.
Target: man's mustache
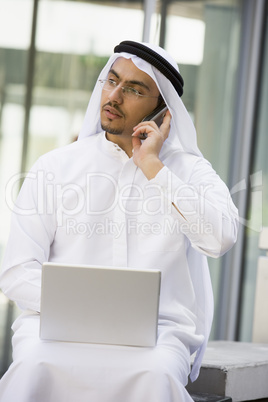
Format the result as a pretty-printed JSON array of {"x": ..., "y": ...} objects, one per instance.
[{"x": 115, "y": 106}]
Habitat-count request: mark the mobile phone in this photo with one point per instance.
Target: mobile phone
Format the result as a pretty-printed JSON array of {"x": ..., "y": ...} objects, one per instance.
[{"x": 157, "y": 116}]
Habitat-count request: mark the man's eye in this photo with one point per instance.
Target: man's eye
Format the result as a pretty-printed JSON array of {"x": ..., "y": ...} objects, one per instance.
[
  {"x": 130, "y": 90},
  {"x": 111, "y": 82}
]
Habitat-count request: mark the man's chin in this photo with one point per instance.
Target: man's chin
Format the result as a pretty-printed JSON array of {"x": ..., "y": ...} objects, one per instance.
[{"x": 110, "y": 130}]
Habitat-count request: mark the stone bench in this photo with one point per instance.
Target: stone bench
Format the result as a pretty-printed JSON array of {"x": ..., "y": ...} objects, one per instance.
[
  {"x": 237, "y": 370},
  {"x": 200, "y": 397}
]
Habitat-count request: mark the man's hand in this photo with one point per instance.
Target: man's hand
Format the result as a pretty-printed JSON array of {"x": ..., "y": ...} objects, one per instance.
[{"x": 146, "y": 153}]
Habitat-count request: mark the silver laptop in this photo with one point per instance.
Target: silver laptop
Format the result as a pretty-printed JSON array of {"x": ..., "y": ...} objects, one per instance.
[{"x": 81, "y": 303}]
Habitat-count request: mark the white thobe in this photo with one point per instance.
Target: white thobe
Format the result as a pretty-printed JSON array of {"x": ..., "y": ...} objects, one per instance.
[{"x": 88, "y": 203}]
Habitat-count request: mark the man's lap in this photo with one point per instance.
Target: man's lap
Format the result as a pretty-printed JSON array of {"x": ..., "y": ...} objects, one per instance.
[{"x": 93, "y": 371}]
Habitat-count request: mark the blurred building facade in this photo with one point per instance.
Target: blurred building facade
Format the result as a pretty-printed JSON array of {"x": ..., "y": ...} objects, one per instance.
[{"x": 51, "y": 52}]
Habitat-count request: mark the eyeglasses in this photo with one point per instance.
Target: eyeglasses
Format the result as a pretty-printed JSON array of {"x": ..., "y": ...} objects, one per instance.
[{"x": 128, "y": 92}]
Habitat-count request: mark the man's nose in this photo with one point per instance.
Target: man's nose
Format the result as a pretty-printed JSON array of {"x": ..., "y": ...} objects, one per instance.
[{"x": 116, "y": 94}]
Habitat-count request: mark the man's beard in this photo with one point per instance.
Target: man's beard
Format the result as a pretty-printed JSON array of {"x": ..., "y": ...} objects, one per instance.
[{"x": 108, "y": 129}]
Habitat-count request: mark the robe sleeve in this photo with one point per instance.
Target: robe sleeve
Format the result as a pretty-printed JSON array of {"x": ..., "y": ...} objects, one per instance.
[
  {"x": 32, "y": 232},
  {"x": 203, "y": 206}
]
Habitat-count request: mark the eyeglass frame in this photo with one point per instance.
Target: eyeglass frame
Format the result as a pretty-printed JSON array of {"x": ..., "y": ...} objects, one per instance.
[{"x": 133, "y": 91}]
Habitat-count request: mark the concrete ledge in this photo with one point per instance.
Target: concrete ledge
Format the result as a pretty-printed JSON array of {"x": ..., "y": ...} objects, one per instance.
[
  {"x": 209, "y": 398},
  {"x": 234, "y": 369}
]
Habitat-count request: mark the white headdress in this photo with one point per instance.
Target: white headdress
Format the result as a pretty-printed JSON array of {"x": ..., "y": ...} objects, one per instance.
[{"x": 182, "y": 132}]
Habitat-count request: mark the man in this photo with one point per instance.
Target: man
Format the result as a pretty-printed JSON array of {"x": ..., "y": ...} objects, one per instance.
[{"x": 159, "y": 203}]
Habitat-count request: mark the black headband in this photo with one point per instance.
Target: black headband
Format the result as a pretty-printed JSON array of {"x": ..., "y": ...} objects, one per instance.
[{"x": 155, "y": 59}]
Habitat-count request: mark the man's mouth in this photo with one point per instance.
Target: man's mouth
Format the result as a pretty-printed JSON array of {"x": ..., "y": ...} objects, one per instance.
[{"x": 112, "y": 113}]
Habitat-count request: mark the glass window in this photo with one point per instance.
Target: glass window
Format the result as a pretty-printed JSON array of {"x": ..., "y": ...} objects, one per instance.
[
  {"x": 73, "y": 42},
  {"x": 204, "y": 38},
  {"x": 258, "y": 209},
  {"x": 15, "y": 34}
]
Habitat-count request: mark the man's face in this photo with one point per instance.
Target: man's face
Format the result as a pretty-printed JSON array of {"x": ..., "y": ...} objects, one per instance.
[{"x": 120, "y": 114}]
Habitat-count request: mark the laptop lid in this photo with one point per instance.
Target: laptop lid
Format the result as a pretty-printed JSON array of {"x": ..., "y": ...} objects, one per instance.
[{"x": 96, "y": 304}]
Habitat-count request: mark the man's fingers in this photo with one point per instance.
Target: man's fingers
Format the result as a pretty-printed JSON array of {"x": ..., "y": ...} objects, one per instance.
[
  {"x": 166, "y": 120},
  {"x": 149, "y": 128},
  {"x": 136, "y": 143},
  {"x": 165, "y": 126}
]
